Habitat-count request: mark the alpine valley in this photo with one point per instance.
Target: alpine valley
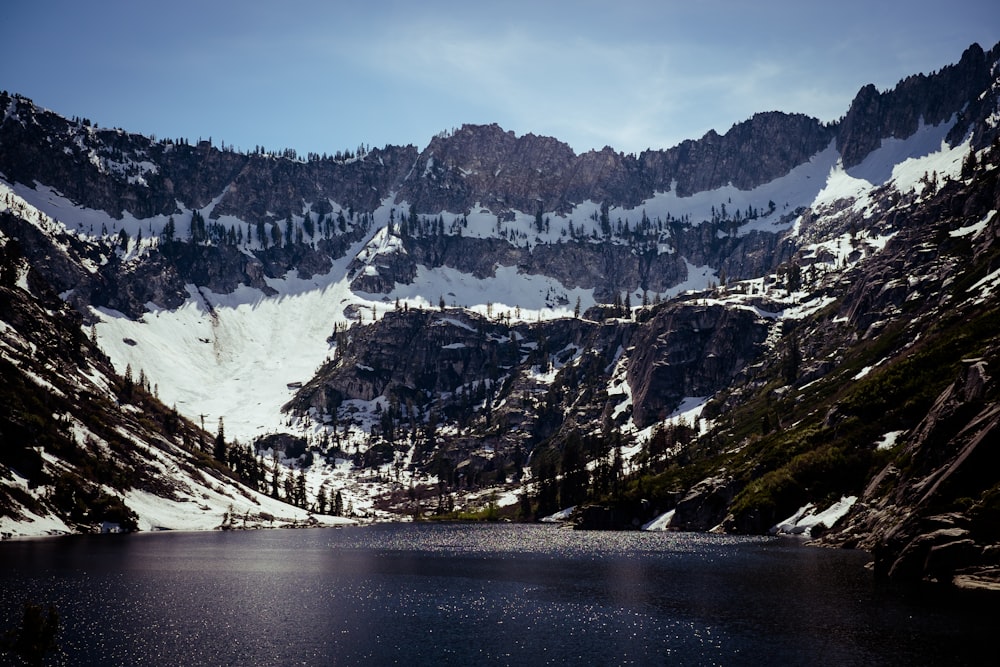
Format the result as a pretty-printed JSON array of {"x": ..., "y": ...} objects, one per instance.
[{"x": 790, "y": 327}]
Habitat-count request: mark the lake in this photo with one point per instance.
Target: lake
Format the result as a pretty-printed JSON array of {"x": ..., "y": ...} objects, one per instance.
[{"x": 463, "y": 594}]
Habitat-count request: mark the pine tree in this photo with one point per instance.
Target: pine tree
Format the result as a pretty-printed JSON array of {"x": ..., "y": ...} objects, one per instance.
[
  {"x": 275, "y": 473},
  {"x": 321, "y": 499},
  {"x": 573, "y": 486},
  {"x": 969, "y": 165},
  {"x": 544, "y": 469},
  {"x": 794, "y": 278},
  {"x": 219, "y": 449},
  {"x": 129, "y": 383},
  {"x": 300, "y": 488},
  {"x": 169, "y": 230}
]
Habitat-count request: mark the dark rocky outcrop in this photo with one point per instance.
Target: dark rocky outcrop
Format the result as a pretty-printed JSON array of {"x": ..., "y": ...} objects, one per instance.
[
  {"x": 160, "y": 275},
  {"x": 910, "y": 517},
  {"x": 753, "y": 152},
  {"x": 705, "y": 505},
  {"x": 411, "y": 355},
  {"x": 690, "y": 350},
  {"x": 118, "y": 172},
  {"x": 466, "y": 367},
  {"x": 610, "y": 269},
  {"x": 109, "y": 169}
]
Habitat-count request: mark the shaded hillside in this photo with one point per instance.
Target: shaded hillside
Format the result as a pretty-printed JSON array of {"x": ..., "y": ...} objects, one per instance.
[{"x": 83, "y": 448}]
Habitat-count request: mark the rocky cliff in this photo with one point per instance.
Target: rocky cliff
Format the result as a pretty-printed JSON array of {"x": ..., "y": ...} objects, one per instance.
[{"x": 513, "y": 382}]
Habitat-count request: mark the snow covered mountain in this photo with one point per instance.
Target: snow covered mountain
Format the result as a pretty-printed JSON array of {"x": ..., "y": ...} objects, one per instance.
[{"x": 495, "y": 322}]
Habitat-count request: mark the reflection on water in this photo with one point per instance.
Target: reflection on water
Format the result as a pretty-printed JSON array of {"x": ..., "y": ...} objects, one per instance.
[{"x": 470, "y": 594}]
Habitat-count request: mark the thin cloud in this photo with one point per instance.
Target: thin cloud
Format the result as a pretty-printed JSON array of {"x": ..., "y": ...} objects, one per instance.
[
  {"x": 320, "y": 76},
  {"x": 631, "y": 95},
  {"x": 577, "y": 89}
]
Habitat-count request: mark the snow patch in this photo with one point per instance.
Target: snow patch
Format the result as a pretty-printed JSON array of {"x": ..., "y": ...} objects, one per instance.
[
  {"x": 660, "y": 523},
  {"x": 522, "y": 296},
  {"x": 558, "y": 517},
  {"x": 888, "y": 441},
  {"x": 987, "y": 285},
  {"x": 974, "y": 229},
  {"x": 908, "y": 163},
  {"x": 806, "y": 519}
]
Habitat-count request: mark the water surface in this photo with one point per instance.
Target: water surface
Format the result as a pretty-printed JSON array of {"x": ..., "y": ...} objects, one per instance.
[{"x": 421, "y": 594}]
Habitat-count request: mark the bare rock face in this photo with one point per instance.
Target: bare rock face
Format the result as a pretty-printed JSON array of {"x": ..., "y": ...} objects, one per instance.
[
  {"x": 108, "y": 169},
  {"x": 390, "y": 259},
  {"x": 269, "y": 188},
  {"x": 478, "y": 165},
  {"x": 482, "y": 164},
  {"x": 117, "y": 172},
  {"x": 690, "y": 350},
  {"x": 410, "y": 354},
  {"x": 609, "y": 269},
  {"x": 755, "y": 151},
  {"x": 485, "y": 166}
]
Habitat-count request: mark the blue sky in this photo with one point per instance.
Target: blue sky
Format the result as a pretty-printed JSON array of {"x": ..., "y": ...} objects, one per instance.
[{"x": 324, "y": 76}]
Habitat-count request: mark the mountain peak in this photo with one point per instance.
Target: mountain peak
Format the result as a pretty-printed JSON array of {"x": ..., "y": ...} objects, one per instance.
[{"x": 932, "y": 99}]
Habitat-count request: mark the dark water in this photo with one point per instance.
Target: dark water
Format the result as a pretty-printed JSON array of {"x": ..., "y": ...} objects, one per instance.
[{"x": 478, "y": 595}]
